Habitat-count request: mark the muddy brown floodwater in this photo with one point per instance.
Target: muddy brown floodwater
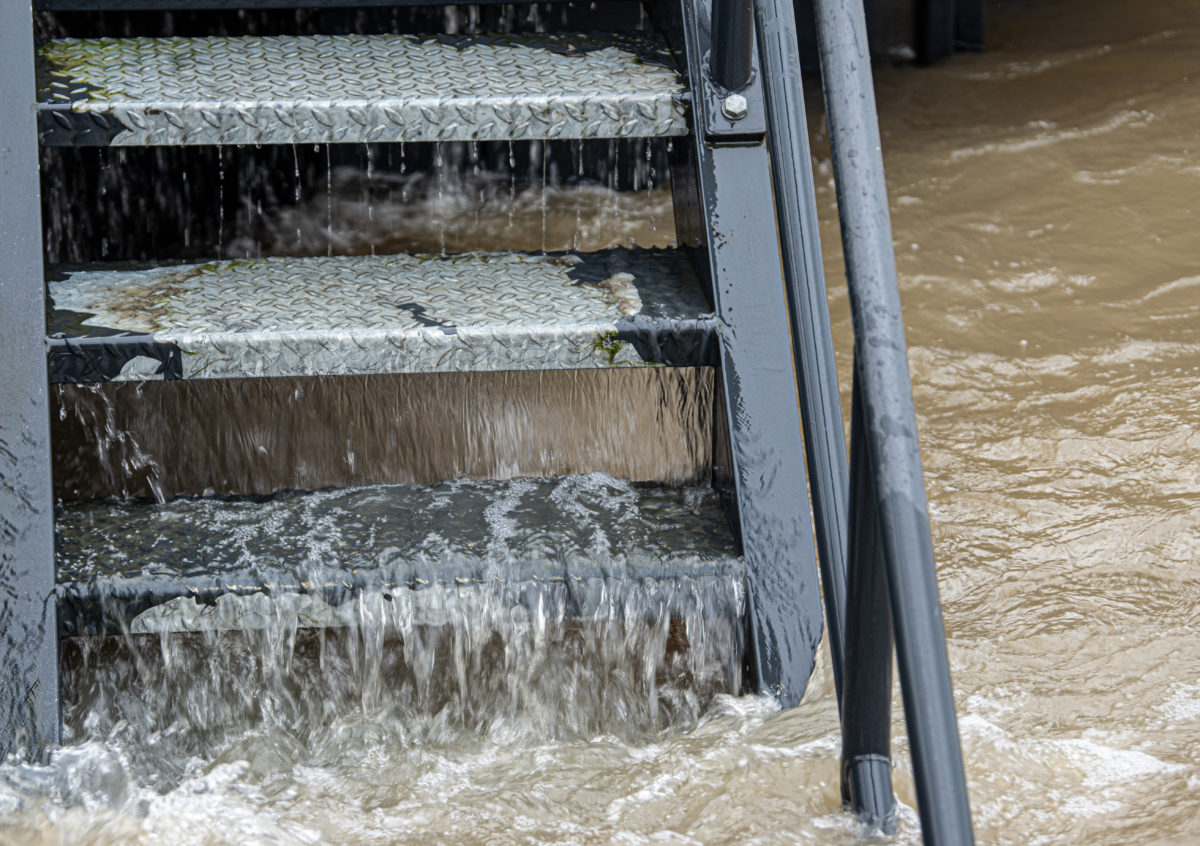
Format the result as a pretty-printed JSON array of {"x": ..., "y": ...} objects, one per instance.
[{"x": 1043, "y": 197}]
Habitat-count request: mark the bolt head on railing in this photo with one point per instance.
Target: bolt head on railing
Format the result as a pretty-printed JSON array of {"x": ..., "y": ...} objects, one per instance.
[{"x": 735, "y": 107}]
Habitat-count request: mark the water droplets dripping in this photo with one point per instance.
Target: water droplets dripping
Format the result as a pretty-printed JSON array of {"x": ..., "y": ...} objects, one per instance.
[
  {"x": 650, "y": 174},
  {"x": 439, "y": 169},
  {"x": 297, "y": 193},
  {"x": 403, "y": 171},
  {"x": 103, "y": 191},
  {"x": 422, "y": 668},
  {"x": 512, "y": 185},
  {"x": 328, "y": 200},
  {"x": 475, "y": 171},
  {"x": 542, "y": 153},
  {"x": 575, "y": 241},
  {"x": 614, "y": 180},
  {"x": 369, "y": 191},
  {"x": 185, "y": 190},
  {"x": 122, "y": 459},
  {"x": 220, "y": 201}
]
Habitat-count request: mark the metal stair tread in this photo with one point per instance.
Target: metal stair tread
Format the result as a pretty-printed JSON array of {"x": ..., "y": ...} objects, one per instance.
[
  {"x": 509, "y": 540},
  {"x": 355, "y": 89},
  {"x": 358, "y": 315}
]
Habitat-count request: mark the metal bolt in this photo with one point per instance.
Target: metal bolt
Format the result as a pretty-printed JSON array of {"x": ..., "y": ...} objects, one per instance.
[{"x": 735, "y": 107}]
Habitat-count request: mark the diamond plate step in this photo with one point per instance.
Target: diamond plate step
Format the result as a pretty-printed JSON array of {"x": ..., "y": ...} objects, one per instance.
[
  {"x": 355, "y": 89},
  {"x": 142, "y": 5},
  {"x": 358, "y": 315},
  {"x": 584, "y": 545}
]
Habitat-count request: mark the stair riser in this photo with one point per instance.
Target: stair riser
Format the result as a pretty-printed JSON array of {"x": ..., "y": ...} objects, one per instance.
[{"x": 258, "y": 436}]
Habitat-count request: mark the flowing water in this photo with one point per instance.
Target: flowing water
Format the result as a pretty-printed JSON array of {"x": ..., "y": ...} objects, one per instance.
[{"x": 1042, "y": 198}]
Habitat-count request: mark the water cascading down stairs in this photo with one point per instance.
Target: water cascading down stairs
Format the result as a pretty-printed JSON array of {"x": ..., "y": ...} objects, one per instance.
[
  {"x": 722, "y": 303},
  {"x": 336, "y": 316}
]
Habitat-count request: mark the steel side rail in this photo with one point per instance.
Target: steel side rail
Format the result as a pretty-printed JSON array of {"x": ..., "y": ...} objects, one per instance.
[{"x": 29, "y": 716}]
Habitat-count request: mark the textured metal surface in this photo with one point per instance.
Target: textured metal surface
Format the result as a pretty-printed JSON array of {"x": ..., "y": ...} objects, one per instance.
[
  {"x": 28, "y": 632},
  {"x": 380, "y": 314},
  {"x": 355, "y": 88},
  {"x": 117, "y": 561},
  {"x": 188, "y": 5}
]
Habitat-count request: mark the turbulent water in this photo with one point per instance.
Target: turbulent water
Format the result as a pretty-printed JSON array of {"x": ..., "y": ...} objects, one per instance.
[{"x": 1043, "y": 203}]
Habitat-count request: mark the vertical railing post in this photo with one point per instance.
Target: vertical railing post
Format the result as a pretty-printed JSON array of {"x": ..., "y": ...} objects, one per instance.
[
  {"x": 867, "y": 700},
  {"x": 812, "y": 337},
  {"x": 28, "y": 621},
  {"x": 888, "y": 421},
  {"x": 936, "y": 28},
  {"x": 732, "y": 43}
]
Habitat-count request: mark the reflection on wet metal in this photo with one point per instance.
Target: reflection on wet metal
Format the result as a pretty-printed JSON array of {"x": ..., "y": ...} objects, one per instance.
[
  {"x": 257, "y": 436},
  {"x": 29, "y": 705},
  {"x": 356, "y": 89},
  {"x": 575, "y": 541},
  {"x": 728, "y": 198}
]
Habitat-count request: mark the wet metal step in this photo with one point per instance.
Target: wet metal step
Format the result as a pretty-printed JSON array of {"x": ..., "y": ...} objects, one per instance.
[
  {"x": 355, "y": 89},
  {"x": 358, "y": 315},
  {"x": 141, "y": 5},
  {"x": 588, "y": 545}
]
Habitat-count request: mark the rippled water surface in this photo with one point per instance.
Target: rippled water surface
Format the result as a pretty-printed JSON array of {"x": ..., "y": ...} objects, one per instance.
[{"x": 1044, "y": 198}]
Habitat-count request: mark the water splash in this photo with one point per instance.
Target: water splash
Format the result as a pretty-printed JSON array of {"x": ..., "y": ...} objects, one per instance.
[{"x": 391, "y": 683}]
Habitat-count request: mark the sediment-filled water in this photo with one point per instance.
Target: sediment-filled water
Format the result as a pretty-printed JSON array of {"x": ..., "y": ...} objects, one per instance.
[{"x": 1043, "y": 198}]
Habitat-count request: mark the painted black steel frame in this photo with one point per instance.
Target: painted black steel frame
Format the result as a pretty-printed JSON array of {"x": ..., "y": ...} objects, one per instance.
[
  {"x": 889, "y": 505},
  {"x": 888, "y": 583},
  {"x": 944, "y": 26},
  {"x": 811, "y": 335},
  {"x": 722, "y": 184},
  {"x": 29, "y": 694}
]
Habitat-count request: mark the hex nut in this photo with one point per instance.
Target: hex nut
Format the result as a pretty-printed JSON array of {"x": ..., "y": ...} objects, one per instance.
[{"x": 735, "y": 107}]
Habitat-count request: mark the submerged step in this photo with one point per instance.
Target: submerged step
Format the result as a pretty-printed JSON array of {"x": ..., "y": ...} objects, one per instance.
[
  {"x": 360, "y": 315},
  {"x": 587, "y": 545},
  {"x": 355, "y": 89}
]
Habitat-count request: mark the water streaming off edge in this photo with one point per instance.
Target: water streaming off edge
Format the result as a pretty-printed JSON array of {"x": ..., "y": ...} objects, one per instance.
[{"x": 1043, "y": 204}]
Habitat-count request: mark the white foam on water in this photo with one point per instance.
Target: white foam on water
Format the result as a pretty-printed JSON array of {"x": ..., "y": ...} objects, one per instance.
[
  {"x": 1106, "y": 766},
  {"x": 1182, "y": 702}
]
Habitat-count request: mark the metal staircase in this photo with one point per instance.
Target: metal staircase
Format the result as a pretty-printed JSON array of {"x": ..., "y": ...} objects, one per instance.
[
  {"x": 369, "y": 315},
  {"x": 732, "y": 297}
]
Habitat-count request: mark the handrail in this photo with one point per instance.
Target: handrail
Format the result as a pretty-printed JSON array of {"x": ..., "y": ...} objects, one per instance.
[
  {"x": 888, "y": 426},
  {"x": 886, "y": 536}
]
